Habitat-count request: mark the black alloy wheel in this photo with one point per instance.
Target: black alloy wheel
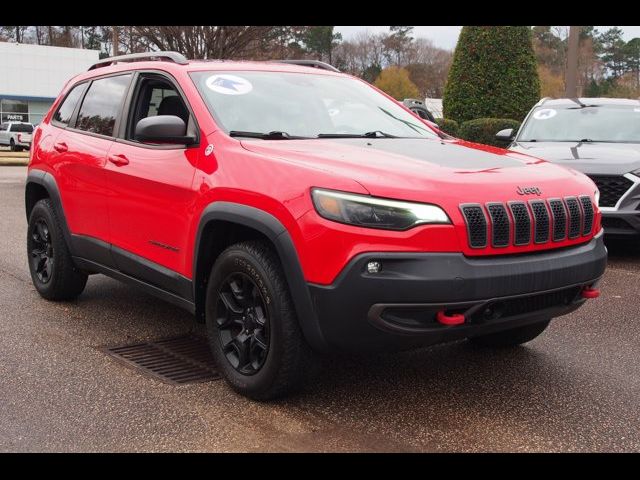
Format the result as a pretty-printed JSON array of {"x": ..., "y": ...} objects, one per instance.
[
  {"x": 41, "y": 251},
  {"x": 243, "y": 323}
]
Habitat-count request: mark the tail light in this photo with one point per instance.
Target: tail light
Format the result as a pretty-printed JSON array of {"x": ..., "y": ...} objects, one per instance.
[{"x": 19, "y": 137}]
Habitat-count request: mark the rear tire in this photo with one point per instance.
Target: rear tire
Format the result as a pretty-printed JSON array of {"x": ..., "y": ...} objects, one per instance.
[
  {"x": 511, "y": 337},
  {"x": 252, "y": 324},
  {"x": 52, "y": 269},
  {"x": 12, "y": 145}
]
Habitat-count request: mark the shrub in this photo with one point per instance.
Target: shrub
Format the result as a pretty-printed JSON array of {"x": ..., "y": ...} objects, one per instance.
[
  {"x": 395, "y": 81},
  {"x": 448, "y": 126},
  {"x": 493, "y": 74},
  {"x": 483, "y": 130}
]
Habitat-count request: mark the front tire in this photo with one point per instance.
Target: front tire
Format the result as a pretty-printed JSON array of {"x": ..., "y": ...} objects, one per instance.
[
  {"x": 511, "y": 337},
  {"x": 52, "y": 269},
  {"x": 252, "y": 325}
]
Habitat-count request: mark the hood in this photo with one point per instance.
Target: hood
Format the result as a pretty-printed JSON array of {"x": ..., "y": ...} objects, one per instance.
[
  {"x": 451, "y": 171},
  {"x": 590, "y": 158}
]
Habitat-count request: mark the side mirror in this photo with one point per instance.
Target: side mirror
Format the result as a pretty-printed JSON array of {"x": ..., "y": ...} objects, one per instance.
[
  {"x": 505, "y": 135},
  {"x": 163, "y": 129}
]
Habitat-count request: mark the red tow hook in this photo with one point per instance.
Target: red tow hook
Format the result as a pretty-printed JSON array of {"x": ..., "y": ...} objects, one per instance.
[
  {"x": 590, "y": 292},
  {"x": 452, "y": 319}
]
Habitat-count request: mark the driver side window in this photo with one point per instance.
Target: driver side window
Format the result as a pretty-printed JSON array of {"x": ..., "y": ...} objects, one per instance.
[{"x": 156, "y": 96}]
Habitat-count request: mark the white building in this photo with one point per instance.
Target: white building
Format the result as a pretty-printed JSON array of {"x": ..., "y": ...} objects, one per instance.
[{"x": 31, "y": 77}]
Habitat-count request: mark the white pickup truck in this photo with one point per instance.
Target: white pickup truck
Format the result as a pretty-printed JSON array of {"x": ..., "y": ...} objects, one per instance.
[{"x": 16, "y": 135}]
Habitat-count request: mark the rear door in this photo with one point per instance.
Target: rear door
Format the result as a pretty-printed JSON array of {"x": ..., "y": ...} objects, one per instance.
[
  {"x": 151, "y": 205},
  {"x": 80, "y": 156}
]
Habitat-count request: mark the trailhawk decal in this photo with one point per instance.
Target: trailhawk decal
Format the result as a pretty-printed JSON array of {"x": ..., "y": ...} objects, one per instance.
[{"x": 229, "y": 84}]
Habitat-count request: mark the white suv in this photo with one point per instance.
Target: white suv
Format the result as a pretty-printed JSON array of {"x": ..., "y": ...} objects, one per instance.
[{"x": 17, "y": 135}]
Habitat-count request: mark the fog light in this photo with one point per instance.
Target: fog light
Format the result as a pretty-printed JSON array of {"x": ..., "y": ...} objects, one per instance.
[{"x": 374, "y": 267}]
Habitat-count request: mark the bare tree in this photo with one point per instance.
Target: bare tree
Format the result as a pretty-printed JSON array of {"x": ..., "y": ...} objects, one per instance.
[{"x": 205, "y": 41}]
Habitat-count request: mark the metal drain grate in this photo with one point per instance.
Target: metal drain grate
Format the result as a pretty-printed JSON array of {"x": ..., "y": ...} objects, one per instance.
[{"x": 178, "y": 360}]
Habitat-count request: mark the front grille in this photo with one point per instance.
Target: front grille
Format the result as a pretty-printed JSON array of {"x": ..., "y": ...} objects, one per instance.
[
  {"x": 476, "y": 225},
  {"x": 522, "y": 223},
  {"x": 611, "y": 188},
  {"x": 540, "y": 221},
  {"x": 500, "y": 225},
  {"x": 587, "y": 210},
  {"x": 559, "y": 219},
  {"x": 574, "y": 216},
  {"x": 553, "y": 219}
]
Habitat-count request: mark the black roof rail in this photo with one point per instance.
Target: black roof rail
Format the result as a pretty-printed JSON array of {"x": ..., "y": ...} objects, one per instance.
[
  {"x": 174, "y": 57},
  {"x": 309, "y": 63}
]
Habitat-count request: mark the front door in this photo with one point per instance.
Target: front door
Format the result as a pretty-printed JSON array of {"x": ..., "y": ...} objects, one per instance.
[{"x": 152, "y": 197}]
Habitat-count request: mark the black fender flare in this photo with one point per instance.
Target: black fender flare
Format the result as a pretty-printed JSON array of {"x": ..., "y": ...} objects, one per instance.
[
  {"x": 46, "y": 180},
  {"x": 276, "y": 232}
]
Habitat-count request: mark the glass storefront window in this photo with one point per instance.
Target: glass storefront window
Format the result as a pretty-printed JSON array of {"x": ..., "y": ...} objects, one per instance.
[{"x": 14, "y": 106}]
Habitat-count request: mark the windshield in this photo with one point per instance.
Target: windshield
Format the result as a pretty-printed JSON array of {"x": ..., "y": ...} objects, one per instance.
[
  {"x": 303, "y": 105},
  {"x": 591, "y": 123}
]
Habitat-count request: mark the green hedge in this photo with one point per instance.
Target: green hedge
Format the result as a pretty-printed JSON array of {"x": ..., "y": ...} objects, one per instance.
[
  {"x": 483, "y": 130},
  {"x": 493, "y": 74},
  {"x": 448, "y": 126}
]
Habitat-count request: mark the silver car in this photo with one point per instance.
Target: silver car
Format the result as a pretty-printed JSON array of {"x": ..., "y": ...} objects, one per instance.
[{"x": 596, "y": 136}]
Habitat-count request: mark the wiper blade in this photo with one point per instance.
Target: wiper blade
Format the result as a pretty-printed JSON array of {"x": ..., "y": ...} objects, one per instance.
[
  {"x": 378, "y": 133},
  {"x": 582, "y": 105},
  {"x": 586, "y": 140},
  {"x": 373, "y": 134},
  {"x": 274, "y": 135}
]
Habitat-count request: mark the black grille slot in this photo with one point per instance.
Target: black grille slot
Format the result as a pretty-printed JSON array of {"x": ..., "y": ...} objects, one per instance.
[
  {"x": 500, "y": 225},
  {"x": 518, "y": 306},
  {"x": 573, "y": 208},
  {"x": 587, "y": 208},
  {"x": 559, "y": 220},
  {"x": 540, "y": 221},
  {"x": 611, "y": 187},
  {"x": 476, "y": 225},
  {"x": 522, "y": 223}
]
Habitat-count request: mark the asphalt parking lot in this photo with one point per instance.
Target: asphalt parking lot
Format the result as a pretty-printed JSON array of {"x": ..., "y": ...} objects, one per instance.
[{"x": 575, "y": 388}]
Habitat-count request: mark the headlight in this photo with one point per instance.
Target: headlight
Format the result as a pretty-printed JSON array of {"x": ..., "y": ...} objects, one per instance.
[
  {"x": 371, "y": 212},
  {"x": 596, "y": 197}
]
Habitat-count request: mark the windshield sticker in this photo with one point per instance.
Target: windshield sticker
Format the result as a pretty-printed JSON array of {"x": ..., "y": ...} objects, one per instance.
[
  {"x": 229, "y": 84},
  {"x": 545, "y": 114}
]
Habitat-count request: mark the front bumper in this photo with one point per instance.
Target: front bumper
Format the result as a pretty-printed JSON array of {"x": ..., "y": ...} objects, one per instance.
[
  {"x": 621, "y": 223},
  {"x": 623, "y": 219},
  {"x": 396, "y": 308}
]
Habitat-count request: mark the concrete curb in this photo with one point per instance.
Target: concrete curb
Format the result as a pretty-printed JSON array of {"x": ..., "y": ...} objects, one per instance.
[{"x": 13, "y": 162}]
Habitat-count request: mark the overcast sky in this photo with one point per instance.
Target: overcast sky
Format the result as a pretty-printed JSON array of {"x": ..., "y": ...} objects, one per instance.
[{"x": 446, "y": 37}]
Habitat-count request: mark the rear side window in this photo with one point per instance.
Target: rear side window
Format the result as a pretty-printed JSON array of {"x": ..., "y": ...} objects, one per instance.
[
  {"x": 101, "y": 105},
  {"x": 63, "y": 115},
  {"x": 22, "y": 127}
]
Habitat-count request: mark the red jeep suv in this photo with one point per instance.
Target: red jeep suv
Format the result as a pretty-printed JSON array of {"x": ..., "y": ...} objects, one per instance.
[{"x": 297, "y": 210}]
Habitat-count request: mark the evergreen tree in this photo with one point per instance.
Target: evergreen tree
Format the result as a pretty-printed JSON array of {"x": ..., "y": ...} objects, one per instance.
[{"x": 493, "y": 74}]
